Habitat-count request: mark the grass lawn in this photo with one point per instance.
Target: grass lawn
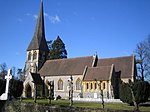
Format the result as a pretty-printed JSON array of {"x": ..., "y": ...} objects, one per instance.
[{"x": 114, "y": 106}]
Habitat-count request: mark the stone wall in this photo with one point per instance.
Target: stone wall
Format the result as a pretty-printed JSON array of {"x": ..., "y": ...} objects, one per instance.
[
  {"x": 15, "y": 106},
  {"x": 97, "y": 100},
  {"x": 65, "y": 92}
]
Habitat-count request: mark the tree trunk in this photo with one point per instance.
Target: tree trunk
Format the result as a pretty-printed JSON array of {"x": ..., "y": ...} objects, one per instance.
[
  {"x": 142, "y": 72},
  {"x": 136, "y": 106}
]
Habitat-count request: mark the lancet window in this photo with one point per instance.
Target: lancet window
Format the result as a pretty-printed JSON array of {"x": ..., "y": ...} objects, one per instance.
[
  {"x": 34, "y": 55},
  {"x": 29, "y": 56},
  {"x": 60, "y": 84},
  {"x": 78, "y": 84}
]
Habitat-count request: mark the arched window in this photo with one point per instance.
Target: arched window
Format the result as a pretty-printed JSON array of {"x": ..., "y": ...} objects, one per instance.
[
  {"x": 78, "y": 84},
  {"x": 87, "y": 85},
  {"x": 104, "y": 85},
  {"x": 29, "y": 56},
  {"x": 91, "y": 86},
  {"x": 60, "y": 84},
  {"x": 95, "y": 85},
  {"x": 28, "y": 90},
  {"x": 34, "y": 55}
]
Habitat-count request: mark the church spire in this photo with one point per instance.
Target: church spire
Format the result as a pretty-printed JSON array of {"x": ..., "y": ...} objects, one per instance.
[{"x": 38, "y": 41}]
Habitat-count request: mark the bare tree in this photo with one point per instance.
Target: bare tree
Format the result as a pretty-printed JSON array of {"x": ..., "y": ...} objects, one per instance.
[
  {"x": 19, "y": 73},
  {"x": 143, "y": 58},
  {"x": 148, "y": 57},
  {"x": 14, "y": 72},
  {"x": 3, "y": 70}
]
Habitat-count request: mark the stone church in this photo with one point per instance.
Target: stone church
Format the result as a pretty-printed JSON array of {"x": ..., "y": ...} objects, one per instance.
[{"x": 90, "y": 74}]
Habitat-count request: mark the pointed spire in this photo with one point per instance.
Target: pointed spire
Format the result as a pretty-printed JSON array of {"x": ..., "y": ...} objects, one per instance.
[{"x": 38, "y": 41}]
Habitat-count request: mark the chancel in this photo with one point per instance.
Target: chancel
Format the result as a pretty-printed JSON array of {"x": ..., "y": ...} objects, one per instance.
[{"x": 4, "y": 96}]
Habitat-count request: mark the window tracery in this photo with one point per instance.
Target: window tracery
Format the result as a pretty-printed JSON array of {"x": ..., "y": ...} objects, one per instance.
[{"x": 78, "y": 84}]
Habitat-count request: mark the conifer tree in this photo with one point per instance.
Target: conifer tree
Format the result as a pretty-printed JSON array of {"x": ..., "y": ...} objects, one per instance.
[
  {"x": 134, "y": 93},
  {"x": 58, "y": 50}
]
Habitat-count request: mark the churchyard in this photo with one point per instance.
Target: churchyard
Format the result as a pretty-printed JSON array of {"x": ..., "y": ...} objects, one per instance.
[
  {"x": 117, "y": 105},
  {"x": 52, "y": 82},
  {"x": 114, "y": 104},
  {"x": 96, "y": 105}
]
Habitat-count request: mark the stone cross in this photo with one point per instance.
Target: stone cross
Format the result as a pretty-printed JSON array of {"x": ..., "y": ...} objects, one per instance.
[{"x": 4, "y": 96}]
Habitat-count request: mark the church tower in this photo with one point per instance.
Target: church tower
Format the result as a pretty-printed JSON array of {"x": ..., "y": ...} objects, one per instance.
[{"x": 37, "y": 50}]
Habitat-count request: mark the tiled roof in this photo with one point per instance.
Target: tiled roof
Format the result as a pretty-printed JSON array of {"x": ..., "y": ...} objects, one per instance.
[
  {"x": 36, "y": 78},
  {"x": 38, "y": 41},
  {"x": 98, "y": 73},
  {"x": 71, "y": 66},
  {"x": 122, "y": 64}
]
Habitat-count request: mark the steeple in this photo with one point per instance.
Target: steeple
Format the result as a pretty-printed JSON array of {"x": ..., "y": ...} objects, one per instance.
[
  {"x": 38, "y": 41},
  {"x": 37, "y": 50}
]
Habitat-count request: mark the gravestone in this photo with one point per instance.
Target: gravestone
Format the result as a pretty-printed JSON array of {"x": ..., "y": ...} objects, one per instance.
[
  {"x": 95, "y": 95},
  {"x": 8, "y": 77}
]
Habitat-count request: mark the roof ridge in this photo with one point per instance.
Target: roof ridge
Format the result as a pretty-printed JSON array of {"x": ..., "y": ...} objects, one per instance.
[
  {"x": 69, "y": 58},
  {"x": 100, "y": 66},
  {"x": 117, "y": 57}
]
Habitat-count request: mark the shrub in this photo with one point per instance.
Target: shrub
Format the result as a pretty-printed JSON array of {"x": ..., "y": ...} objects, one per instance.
[
  {"x": 125, "y": 93},
  {"x": 141, "y": 90},
  {"x": 2, "y": 86},
  {"x": 16, "y": 88},
  {"x": 58, "y": 97}
]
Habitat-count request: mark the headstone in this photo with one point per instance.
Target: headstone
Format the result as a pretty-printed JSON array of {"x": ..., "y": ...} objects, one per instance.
[
  {"x": 95, "y": 95},
  {"x": 4, "y": 96}
]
